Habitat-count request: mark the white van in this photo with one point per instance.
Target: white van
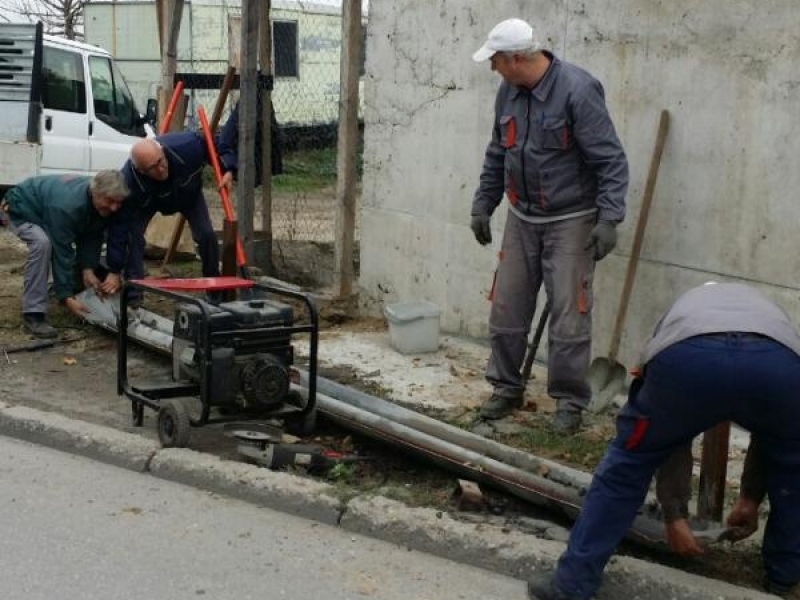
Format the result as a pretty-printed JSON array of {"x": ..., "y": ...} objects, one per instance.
[{"x": 64, "y": 107}]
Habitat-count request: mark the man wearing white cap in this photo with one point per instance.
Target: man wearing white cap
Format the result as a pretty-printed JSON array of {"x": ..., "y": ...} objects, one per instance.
[{"x": 556, "y": 156}]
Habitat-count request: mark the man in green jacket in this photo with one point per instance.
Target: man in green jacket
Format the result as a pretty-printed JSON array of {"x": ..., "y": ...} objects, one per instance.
[{"x": 61, "y": 218}]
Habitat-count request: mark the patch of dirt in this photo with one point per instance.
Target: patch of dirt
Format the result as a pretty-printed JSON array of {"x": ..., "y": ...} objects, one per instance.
[{"x": 77, "y": 377}]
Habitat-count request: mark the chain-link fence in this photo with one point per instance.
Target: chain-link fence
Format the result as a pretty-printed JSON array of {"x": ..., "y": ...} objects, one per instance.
[{"x": 307, "y": 41}]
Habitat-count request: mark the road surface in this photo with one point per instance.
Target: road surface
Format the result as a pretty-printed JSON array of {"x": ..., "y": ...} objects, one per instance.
[{"x": 72, "y": 528}]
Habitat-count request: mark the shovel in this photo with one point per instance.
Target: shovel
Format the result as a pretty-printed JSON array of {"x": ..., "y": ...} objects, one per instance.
[
  {"x": 533, "y": 347},
  {"x": 606, "y": 375}
]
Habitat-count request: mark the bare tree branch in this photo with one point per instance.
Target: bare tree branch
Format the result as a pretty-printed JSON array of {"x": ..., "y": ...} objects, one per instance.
[{"x": 59, "y": 17}]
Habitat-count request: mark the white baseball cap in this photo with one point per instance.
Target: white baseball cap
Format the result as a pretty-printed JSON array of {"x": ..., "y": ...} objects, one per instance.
[{"x": 507, "y": 36}]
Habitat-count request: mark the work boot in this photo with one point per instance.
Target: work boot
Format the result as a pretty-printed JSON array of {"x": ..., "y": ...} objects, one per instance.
[
  {"x": 37, "y": 326},
  {"x": 542, "y": 586},
  {"x": 498, "y": 407},
  {"x": 566, "y": 422},
  {"x": 777, "y": 589}
]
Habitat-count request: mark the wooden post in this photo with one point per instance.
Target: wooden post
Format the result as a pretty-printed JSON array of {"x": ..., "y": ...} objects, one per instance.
[
  {"x": 171, "y": 12},
  {"x": 346, "y": 151},
  {"x": 248, "y": 79},
  {"x": 265, "y": 62},
  {"x": 229, "y": 266},
  {"x": 713, "y": 473}
]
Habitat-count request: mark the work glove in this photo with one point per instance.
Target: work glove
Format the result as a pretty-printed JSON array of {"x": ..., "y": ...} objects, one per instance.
[
  {"x": 602, "y": 238},
  {"x": 481, "y": 229}
]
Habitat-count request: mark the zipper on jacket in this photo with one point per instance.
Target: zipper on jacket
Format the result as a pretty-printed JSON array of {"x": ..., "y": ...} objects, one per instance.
[{"x": 524, "y": 182}]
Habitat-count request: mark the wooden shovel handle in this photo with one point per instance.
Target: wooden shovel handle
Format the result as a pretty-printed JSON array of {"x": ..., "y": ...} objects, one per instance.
[{"x": 638, "y": 238}]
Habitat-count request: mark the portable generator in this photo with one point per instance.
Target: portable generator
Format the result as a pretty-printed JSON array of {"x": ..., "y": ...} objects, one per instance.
[{"x": 236, "y": 357}]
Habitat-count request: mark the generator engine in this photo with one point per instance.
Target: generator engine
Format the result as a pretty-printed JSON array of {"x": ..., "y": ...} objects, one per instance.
[{"x": 246, "y": 353}]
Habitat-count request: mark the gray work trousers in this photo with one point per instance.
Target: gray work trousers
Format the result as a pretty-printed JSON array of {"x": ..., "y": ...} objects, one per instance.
[
  {"x": 550, "y": 253},
  {"x": 37, "y": 267}
]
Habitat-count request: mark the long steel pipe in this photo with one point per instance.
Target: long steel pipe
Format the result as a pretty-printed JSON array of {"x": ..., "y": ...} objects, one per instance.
[{"x": 534, "y": 479}]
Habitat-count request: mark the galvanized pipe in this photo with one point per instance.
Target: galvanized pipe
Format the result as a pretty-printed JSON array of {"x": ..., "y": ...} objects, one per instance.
[
  {"x": 534, "y": 479},
  {"x": 546, "y": 483},
  {"x": 520, "y": 459}
]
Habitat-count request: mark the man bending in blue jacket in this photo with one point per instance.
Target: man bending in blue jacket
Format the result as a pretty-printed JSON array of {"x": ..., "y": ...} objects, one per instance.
[{"x": 165, "y": 175}]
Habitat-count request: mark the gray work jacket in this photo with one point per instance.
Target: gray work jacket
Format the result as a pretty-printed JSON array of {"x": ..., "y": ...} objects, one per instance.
[{"x": 554, "y": 150}]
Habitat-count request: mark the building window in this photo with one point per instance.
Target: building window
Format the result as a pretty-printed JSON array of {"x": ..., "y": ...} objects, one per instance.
[{"x": 284, "y": 44}]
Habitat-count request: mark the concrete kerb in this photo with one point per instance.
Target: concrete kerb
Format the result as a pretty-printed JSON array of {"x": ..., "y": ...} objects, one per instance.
[
  {"x": 62, "y": 433},
  {"x": 281, "y": 491},
  {"x": 482, "y": 545},
  {"x": 519, "y": 555}
]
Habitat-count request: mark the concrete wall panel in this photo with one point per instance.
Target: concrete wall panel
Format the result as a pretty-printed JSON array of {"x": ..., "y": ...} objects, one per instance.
[{"x": 725, "y": 205}]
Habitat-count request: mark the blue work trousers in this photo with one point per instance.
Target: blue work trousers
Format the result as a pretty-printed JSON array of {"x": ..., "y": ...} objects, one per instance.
[
  {"x": 687, "y": 389},
  {"x": 203, "y": 234}
]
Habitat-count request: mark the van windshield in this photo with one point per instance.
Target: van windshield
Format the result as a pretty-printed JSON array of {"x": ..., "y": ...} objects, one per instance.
[{"x": 113, "y": 103}]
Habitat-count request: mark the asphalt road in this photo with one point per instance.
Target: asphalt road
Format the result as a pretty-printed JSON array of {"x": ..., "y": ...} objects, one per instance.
[{"x": 75, "y": 528}]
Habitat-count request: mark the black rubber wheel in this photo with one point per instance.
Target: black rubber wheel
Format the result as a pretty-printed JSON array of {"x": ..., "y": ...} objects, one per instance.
[
  {"x": 174, "y": 424},
  {"x": 301, "y": 426}
]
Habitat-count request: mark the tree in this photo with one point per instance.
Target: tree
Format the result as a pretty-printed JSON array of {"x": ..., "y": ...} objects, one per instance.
[{"x": 59, "y": 17}]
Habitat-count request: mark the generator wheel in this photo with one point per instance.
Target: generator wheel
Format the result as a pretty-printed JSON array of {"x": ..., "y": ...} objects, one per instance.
[
  {"x": 174, "y": 425},
  {"x": 301, "y": 426}
]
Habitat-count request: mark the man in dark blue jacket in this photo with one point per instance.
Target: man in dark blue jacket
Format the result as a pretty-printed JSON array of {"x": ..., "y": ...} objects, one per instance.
[{"x": 165, "y": 175}]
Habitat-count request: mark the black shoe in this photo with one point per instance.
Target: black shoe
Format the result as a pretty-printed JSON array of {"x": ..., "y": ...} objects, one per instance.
[
  {"x": 37, "y": 326},
  {"x": 566, "y": 422},
  {"x": 542, "y": 587},
  {"x": 498, "y": 407},
  {"x": 777, "y": 589}
]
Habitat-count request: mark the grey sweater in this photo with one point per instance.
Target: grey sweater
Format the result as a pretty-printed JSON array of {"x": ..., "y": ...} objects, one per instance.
[{"x": 719, "y": 308}]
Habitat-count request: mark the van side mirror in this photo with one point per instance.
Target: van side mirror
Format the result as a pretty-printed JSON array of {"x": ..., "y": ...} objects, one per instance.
[{"x": 151, "y": 113}]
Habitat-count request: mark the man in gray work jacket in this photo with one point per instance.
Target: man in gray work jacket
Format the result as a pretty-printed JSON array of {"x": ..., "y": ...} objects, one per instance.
[
  {"x": 556, "y": 156},
  {"x": 722, "y": 352}
]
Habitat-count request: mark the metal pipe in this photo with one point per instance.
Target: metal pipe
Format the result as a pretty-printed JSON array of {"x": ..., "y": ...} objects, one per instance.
[
  {"x": 553, "y": 483},
  {"x": 534, "y": 479},
  {"x": 454, "y": 435}
]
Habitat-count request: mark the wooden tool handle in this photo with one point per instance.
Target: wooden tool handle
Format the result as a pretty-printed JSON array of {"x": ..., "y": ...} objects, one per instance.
[{"x": 636, "y": 250}]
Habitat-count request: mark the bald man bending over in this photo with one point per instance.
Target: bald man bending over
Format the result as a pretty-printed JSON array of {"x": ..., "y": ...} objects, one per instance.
[{"x": 165, "y": 175}]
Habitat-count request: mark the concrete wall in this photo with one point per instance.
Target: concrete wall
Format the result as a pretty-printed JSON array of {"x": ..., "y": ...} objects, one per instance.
[{"x": 726, "y": 205}]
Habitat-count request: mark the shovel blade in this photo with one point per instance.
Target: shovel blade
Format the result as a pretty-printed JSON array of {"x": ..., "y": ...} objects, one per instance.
[{"x": 607, "y": 379}]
